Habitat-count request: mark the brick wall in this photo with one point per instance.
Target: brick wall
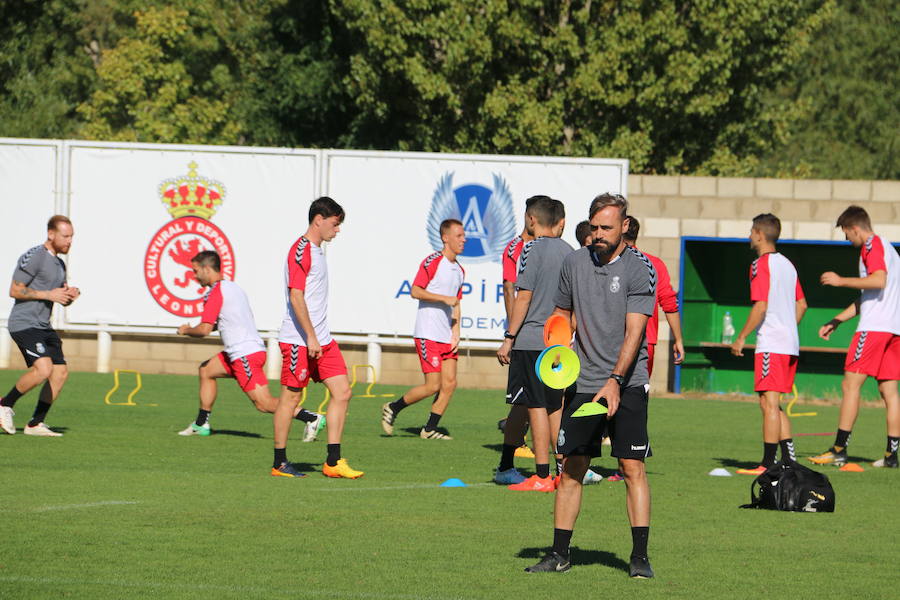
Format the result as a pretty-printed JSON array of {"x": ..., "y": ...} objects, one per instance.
[{"x": 668, "y": 207}]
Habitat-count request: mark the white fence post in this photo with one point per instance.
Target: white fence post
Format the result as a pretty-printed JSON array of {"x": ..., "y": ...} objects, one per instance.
[
  {"x": 373, "y": 357},
  {"x": 104, "y": 350}
]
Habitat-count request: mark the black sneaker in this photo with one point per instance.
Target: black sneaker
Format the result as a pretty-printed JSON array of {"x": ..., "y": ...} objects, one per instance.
[
  {"x": 551, "y": 563},
  {"x": 640, "y": 568},
  {"x": 286, "y": 469},
  {"x": 890, "y": 461}
]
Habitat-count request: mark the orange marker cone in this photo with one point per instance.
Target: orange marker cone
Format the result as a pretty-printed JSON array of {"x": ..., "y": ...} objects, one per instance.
[
  {"x": 557, "y": 331},
  {"x": 852, "y": 467}
]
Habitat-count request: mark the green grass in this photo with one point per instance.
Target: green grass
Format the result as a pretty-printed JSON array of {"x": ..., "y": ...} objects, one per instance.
[{"x": 121, "y": 507}]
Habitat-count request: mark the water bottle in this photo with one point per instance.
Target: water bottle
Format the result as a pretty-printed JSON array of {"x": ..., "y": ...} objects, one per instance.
[{"x": 727, "y": 329}]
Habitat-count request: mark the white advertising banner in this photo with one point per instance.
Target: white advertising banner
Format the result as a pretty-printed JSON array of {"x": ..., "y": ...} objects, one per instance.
[
  {"x": 141, "y": 212},
  {"x": 29, "y": 188},
  {"x": 394, "y": 203}
]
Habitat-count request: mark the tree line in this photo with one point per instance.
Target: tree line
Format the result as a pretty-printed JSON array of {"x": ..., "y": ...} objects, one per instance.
[{"x": 807, "y": 88}]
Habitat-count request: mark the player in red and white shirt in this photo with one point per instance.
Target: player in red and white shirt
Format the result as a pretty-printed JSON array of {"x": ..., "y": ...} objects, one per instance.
[
  {"x": 875, "y": 349},
  {"x": 510, "y": 260},
  {"x": 307, "y": 349},
  {"x": 226, "y": 308},
  {"x": 438, "y": 288},
  {"x": 515, "y": 426},
  {"x": 778, "y": 306},
  {"x": 666, "y": 299}
]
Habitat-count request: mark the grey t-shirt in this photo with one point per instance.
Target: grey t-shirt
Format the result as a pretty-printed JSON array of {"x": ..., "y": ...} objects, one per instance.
[
  {"x": 601, "y": 295},
  {"x": 41, "y": 271},
  {"x": 539, "y": 266}
]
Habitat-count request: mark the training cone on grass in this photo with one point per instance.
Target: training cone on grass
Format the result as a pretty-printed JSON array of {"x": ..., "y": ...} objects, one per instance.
[
  {"x": 557, "y": 331},
  {"x": 852, "y": 468},
  {"x": 558, "y": 367},
  {"x": 453, "y": 482},
  {"x": 720, "y": 472}
]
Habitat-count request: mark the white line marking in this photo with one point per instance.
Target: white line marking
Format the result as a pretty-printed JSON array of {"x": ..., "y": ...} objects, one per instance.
[
  {"x": 413, "y": 486},
  {"x": 256, "y": 591},
  {"x": 86, "y": 505}
]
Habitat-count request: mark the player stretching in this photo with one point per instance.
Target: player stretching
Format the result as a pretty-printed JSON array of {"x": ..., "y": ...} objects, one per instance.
[
  {"x": 307, "y": 348},
  {"x": 611, "y": 290},
  {"x": 226, "y": 308},
  {"x": 38, "y": 281},
  {"x": 536, "y": 285},
  {"x": 438, "y": 288},
  {"x": 778, "y": 306},
  {"x": 875, "y": 349}
]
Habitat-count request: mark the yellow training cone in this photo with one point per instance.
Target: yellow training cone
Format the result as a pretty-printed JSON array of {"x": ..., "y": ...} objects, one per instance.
[
  {"x": 558, "y": 367},
  {"x": 590, "y": 409}
]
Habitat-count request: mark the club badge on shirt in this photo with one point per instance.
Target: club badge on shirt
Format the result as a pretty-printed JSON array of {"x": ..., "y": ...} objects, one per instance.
[{"x": 614, "y": 284}]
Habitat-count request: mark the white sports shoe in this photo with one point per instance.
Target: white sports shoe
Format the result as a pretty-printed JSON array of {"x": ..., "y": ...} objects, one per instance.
[
  {"x": 6, "y": 420},
  {"x": 41, "y": 430},
  {"x": 434, "y": 434},
  {"x": 591, "y": 476},
  {"x": 194, "y": 429},
  {"x": 312, "y": 429}
]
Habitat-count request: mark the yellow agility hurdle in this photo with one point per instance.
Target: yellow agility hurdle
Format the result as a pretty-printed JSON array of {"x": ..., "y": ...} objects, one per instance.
[
  {"x": 130, "y": 400},
  {"x": 353, "y": 381},
  {"x": 304, "y": 394},
  {"x": 790, "y": 406},
  {"x": 369, "y": 387}
]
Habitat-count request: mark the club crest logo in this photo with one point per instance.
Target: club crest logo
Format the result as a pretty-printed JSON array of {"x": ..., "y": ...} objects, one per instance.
[
  {"x": 614, "y": 284},
  {"x": 486, "y": 214},
  {"x": 191, "y": 201}
]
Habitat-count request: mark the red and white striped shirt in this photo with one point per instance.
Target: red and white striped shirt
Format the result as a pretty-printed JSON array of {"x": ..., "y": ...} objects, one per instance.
[
  {"x": 666, "y": 298},
  {"x": 879, "y": 310},
  {"x": 510, "y": 258},
  {"x": 773, "y": 279},
  {"x": 306, "y": 270},
  {"x": 437, "y": 275},
  {"x": 227, "y": 308}
]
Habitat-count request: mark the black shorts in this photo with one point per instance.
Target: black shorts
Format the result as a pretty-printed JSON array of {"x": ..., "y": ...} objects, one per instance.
[
  {"x": 39, "y": 343},
  {"x": 525, "y": 388},
  {"x": 627, "y": 430}
]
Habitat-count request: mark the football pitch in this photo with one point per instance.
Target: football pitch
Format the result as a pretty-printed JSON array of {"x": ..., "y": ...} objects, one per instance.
[{"x": 122, "y": 507}]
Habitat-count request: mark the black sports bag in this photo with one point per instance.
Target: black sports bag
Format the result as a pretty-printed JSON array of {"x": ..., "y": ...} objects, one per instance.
[{"x": 792, "y": 487}]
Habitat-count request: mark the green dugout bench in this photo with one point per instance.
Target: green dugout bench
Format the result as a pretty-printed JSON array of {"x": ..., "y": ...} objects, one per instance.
[{"x": 714, "y": 279}]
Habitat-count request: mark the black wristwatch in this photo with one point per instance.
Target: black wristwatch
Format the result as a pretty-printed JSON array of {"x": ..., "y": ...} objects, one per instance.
[
  {"x": 618, "y": 379},
  {"x": 508, "y": 335}
]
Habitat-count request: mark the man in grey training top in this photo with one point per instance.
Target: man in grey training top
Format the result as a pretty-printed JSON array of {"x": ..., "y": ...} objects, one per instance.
[
  {"x": 38, "y": 281},
  {"x": 610, "y": 289},
  {"x": 536, "y": 284}
]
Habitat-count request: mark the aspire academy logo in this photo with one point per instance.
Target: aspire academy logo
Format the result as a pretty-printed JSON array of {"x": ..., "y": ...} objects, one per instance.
[
  {"x": 485, "y": 212},
  {"x": 192, "y": 201}
]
